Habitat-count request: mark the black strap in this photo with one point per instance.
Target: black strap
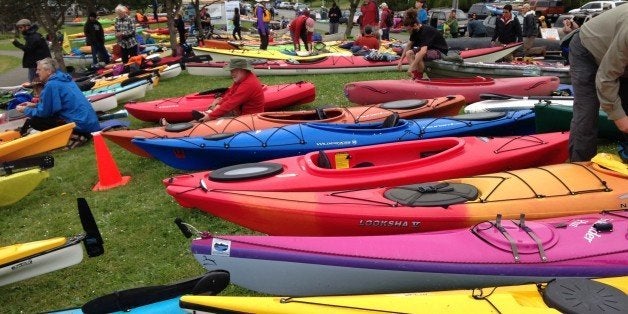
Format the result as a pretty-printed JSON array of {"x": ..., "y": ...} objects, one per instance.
[
  {"x": 532, "y": 235},
  {"x": 43, "y": 162}
]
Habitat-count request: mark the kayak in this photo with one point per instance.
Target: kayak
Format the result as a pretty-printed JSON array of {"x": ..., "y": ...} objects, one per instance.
[
  {"x": 221, "y": 150},
  {"x": 407, "y": 109},
  {"x": 179, "y": 109},
  {"x": 226, "y": 54},
  {"x": 382, "y": 165},
  {"x": 27, "y": 260},
  {"x": 441, "y": 68},
  {"x": 154, "y": 299},
  {"x": 558, "y": 118},
  {"x": 378, "y": 91},
  {"x": 515, "y": 104},
  {"x": 606, "y": 294},
  {"x": 462, "y": 43},
  {"x": 172, "y": 70},
  {"x": 336, "y": 64},
  {"x": 541, "y": 192},
  {"x": 36, "y": 143},
  {"x": 491, "y": 253},
  {"x": 103, "y": 102},
  {"x": 124, "y": 93},
  {"x": 16, "y": 186}
]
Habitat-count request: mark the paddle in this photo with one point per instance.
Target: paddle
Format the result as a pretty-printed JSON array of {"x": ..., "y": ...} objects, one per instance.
[{"x": 492, "y": 96}]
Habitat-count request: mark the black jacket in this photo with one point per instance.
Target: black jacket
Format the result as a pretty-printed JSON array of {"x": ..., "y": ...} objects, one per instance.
[
  {"x": 509, "y": 32},
  {"x": 334, "y": 15},
  {"x": 93, "y": 32},
  {"x": 530, "y": 25},
  {"x": 35, "y": 47}
]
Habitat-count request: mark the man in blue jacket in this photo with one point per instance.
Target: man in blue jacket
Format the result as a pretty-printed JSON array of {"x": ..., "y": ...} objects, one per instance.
[{"x": 60, "y": 102}]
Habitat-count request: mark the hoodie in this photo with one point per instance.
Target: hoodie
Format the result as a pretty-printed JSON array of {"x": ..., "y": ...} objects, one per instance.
[{"x": 62, "y": 98}]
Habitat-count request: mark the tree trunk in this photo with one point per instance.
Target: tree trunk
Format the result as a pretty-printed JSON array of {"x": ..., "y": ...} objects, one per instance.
[{"x": 353, "y": 5}]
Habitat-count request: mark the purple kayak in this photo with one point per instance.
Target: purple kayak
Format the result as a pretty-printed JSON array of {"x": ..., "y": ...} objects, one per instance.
[{"x": 492, "y": 253}]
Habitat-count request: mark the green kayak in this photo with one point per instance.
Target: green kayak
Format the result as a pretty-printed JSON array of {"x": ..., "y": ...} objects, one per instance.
[{"x": 556, "y": 118}]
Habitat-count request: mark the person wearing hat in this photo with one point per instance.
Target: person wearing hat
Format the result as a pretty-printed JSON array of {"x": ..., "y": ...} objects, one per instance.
[
  {"x": 95, "y": 37},
  {"x": 244, "y": 96},
  {"x": 425, "y": 44},
  {"x": 422, "y": 17},
  {"x": 35, "y": 47}
]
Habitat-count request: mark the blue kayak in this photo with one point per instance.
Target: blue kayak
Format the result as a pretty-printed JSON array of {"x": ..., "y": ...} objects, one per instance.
[
  {"x": 154, "y": 299},
  {"x": 221, "y": 150}
]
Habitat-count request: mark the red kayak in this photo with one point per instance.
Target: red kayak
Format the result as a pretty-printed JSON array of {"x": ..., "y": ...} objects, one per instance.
[
  {"x": 407, "y": 109},
  {"x": 369, "y": 92},
  {"x": 385, "y": 164},
  {"x": 179, "y": 109}
]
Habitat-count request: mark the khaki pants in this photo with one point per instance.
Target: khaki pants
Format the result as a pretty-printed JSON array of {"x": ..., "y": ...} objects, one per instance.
[{"x": 529, "y": 50}]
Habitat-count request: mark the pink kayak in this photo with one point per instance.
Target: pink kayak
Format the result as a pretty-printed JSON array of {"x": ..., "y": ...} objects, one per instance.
[
  {"x": 377, "y": 91},
  {"x": 491, "y": 253},
  {"x": 179, "y": 109}
]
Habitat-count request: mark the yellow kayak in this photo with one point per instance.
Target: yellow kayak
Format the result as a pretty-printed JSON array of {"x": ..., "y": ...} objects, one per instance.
[
  {"x": 36, "y": 143},
  {"x": 12, "y": 253},
  {"x": 511, "y": 299},
  {"x": 16, "y": 186},
  {"x": 226, "y": 54}
]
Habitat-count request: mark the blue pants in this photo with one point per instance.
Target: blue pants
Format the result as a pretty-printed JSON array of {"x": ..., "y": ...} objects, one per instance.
[{"x": 586, "y": 105}]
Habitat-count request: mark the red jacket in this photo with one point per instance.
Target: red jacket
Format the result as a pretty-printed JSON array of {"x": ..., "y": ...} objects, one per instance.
[
  {"x": 370, "y": 14},
  {"x": 385, "y": 13},
  {"x": 244, "y": 97},
  {"x": 368, "y": 41}
]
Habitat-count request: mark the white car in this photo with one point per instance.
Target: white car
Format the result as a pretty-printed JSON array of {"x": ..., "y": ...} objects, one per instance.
[
  {"x": 597, "y": 6},
  {"x": 285, "y": 5}
]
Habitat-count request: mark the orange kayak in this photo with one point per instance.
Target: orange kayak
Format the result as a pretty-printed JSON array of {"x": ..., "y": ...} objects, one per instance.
[{"x": 407, "y": 109}]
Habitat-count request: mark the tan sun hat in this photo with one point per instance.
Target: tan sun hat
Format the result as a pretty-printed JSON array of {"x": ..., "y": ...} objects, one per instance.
[
  {"x": 23, "y": 22},
  {"x": 238, "y": 63}
]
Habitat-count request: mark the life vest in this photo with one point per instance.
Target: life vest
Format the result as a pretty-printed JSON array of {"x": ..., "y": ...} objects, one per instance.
[{"x": 266, "y": 17}]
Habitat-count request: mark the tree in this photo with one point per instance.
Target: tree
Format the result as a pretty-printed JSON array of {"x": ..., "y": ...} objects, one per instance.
[
  {"x": 353, "y": 6},
  {"x": 172, "y": 6}
]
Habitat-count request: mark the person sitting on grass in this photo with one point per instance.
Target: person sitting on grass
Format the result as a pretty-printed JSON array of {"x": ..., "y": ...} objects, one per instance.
[
  {"x": 367, "y": 40},
  {"x": 60, "y": 102},
  {"x": 245, "y": 96}
]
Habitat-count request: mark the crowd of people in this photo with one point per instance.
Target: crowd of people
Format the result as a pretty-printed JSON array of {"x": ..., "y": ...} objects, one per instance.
[{"x": 599, "y": 78}]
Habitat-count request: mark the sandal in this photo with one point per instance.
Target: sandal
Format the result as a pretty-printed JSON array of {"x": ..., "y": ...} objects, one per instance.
[{"x": 76, "y": 141}]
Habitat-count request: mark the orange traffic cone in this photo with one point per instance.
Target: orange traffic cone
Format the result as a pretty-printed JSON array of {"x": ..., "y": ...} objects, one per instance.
[{"x": 108, "y": 174}]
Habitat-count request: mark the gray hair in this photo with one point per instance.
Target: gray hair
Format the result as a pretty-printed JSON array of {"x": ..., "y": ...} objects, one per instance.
[
  {"x": 48, "y": 64},
  {"x": 121, "y": 8},
  {"x": 526, "y": 6}
]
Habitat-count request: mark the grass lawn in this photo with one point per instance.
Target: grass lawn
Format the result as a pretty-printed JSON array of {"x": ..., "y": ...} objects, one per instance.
[{"x": 7, "y": 63}]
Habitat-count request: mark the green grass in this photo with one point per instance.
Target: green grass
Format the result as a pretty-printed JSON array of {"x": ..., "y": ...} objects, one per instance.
[
  {"x": 8, "y": 63},
  {"x": 143, "y": 246}
]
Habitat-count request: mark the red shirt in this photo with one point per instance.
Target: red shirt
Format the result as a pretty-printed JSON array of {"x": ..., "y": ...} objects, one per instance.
[
  {"x": 368, "y": 41},
  {"x": 369, "y": 14},
  {"x": 244, "y": 97}
]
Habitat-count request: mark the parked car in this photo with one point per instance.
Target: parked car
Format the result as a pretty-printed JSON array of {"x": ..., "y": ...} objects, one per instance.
[
  {"x": 300, "y": 7},
  {"x": 285, "y": 5},
  {"x": 551, "y": 9},
  {"x": 345, "y": 16},
  {"x": 489, "y": 23},
  {"x": 480, "y": 9},
  {"x": 438, "y": 16},
  {"x": 597, "y": 6},
  {"x": 580, "y": 18}
]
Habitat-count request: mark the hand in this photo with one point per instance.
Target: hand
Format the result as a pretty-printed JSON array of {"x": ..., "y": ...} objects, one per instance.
[
  {"x": 20, "y": 108},
  {"x": 622, "y": 124},
  {"x": 15, "y": 42}
]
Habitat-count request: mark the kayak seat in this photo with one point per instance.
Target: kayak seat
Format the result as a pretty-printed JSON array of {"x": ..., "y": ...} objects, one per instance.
[
  {"x": 178, "y": 127},
  {"x": 320, "y": 114},
  {"x": 247, "y": 171},
  {"x": 364, "y": 164},
  {"x": 432, "y": 194},
  {"x": 480, "y": 116},
  {"x": 391, "y": 121},
  {"x": 581, "y": 295},
  {"x": 323, "y": 160},
  {"x": 404, "y": 104},
  {"x": 219, "y": 90}
]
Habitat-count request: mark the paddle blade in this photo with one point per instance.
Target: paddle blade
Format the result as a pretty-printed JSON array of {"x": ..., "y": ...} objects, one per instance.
[
  {"x": 93, "y": 240},
  {"x": 184, "y": 229}
]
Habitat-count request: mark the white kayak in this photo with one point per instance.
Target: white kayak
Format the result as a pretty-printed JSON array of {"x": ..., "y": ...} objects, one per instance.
[{"x": 513, "y": 104}]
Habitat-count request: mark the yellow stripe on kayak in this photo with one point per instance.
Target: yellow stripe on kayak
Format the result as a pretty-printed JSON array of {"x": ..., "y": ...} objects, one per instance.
[{"x": 16, "y": 252}]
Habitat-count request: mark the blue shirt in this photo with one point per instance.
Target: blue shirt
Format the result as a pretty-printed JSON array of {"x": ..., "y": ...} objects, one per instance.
[{"x": 62, "y": 98}]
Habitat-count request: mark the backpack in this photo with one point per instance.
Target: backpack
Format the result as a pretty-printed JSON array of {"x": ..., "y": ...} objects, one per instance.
[
  {"x": 266, "y": 17},
  {"x": 390, "y": 19}
]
